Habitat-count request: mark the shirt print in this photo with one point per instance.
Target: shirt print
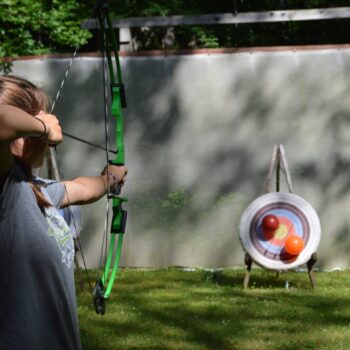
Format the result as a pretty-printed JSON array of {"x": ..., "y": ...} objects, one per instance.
[{"x": 59, "y": 229}]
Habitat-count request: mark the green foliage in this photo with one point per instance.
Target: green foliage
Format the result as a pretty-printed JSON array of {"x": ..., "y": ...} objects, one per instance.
[
  {"x": 205, "y": 38},
  {"x": 64, "y": 24},
  {"x": 165, "y": 212},
  {"x": 180, "y": 211},
  {"x": 176, "y": 200},
  {"x": 256, "y": 34},
  {"x": 30, "y": 27}
]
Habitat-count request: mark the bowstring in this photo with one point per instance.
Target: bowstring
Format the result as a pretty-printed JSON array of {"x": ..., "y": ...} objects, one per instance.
[
  {"x": 73, "y": 219},
  {"x": 59, "y": 163}
]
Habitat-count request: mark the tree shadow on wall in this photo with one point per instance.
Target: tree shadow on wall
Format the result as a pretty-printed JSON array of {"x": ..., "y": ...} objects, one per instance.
[{"x": 266, "y": 112}]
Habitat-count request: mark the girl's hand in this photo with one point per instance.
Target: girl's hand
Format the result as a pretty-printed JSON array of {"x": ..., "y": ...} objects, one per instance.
[
  {"x": 116, "y": 175},
  {"x": 53, "y": 132}
]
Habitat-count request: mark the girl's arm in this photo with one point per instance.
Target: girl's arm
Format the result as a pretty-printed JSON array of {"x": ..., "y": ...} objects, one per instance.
[
  {"x": 89, "y": 189},
  {"x": 15, "y": 124}
]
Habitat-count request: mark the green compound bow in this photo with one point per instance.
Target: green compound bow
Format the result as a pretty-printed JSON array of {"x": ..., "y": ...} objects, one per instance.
[{"x": 104, "y": 284}]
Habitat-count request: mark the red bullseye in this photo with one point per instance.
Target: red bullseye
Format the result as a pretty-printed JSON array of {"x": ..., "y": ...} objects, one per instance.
[
  {"x": 294, "y": 245},
  {"x": 270, "y": 222}
]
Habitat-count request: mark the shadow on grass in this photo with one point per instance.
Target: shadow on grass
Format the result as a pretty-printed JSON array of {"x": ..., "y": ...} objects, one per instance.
[
  {"x": 267, "y": 280},
  {"x": 210, "y": 310}
]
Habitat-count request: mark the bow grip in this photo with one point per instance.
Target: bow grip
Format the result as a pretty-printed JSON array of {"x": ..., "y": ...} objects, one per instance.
[{"x": 118, "y": 188}]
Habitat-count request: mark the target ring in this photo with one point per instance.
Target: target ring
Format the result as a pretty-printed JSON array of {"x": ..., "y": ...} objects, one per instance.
[{"x": 296, "y": 217}]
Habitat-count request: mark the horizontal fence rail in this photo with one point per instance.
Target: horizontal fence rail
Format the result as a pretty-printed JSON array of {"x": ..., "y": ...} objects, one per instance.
[{"x": 228, "y": 18}]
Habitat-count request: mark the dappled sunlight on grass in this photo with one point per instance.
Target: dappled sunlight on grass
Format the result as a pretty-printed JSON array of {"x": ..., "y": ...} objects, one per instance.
[{"x": 176, "y": 309}]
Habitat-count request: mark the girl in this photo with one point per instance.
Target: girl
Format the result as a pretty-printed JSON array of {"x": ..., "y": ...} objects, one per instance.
[{"x": 38, "y": 304}]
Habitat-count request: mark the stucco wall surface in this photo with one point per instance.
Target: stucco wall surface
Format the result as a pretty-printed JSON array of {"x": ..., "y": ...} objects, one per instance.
[{"x": 199, "y": 136}]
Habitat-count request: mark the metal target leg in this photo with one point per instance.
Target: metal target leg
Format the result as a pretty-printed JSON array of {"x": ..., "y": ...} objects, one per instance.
[
  {"x": 309, "y": 265},
  {"x": 278, "y": 164},
  {"x": 248, "y": 261}
]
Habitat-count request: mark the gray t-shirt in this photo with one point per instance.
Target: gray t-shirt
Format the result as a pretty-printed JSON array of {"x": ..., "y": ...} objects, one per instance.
[{"x": 38, "y": 308}]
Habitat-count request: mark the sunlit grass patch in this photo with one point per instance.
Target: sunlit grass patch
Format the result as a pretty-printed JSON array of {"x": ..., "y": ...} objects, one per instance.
[{"x": 177, "y": 309}]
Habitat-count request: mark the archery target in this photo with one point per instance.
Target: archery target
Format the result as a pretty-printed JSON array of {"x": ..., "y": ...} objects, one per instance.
[{"x": 295, "y": 216}]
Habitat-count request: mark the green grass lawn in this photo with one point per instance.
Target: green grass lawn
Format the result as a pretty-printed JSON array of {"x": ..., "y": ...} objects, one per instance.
[{"x": 176, "y": 309}]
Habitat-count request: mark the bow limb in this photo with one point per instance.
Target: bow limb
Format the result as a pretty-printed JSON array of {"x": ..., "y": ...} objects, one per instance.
[{"x": 105, "y": 284}]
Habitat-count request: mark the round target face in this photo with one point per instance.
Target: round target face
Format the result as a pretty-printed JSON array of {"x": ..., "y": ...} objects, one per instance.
[{"x": 295, "y": 217}]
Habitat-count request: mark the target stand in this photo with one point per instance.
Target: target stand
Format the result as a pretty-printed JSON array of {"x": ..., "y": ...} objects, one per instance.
[{"x": 294, "y": 218}]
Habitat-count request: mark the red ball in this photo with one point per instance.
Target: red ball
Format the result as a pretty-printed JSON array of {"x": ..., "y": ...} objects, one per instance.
[
  {"x": 270, "y": 222},
  {"x": 294, "y": 245}
]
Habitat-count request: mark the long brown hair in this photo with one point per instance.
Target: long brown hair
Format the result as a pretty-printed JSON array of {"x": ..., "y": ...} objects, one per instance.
[{"x": 21, "y": 93}]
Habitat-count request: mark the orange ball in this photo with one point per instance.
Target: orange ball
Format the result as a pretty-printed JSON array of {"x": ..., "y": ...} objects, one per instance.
[{"x": 294, "y": 245}]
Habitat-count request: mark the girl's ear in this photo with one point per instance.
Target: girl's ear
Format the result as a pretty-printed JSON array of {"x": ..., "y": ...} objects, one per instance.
[{"x": 16, "y": 147}]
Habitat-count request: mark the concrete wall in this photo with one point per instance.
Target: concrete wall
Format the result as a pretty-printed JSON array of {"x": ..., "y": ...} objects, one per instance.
[{"x": 200, "y": 129}]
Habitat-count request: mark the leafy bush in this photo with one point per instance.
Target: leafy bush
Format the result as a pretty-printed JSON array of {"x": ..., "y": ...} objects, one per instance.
[{"x": 30, "y": 27}]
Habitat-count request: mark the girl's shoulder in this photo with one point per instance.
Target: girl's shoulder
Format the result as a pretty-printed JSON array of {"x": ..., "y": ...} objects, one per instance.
[{"x": 43, "y": 182}]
